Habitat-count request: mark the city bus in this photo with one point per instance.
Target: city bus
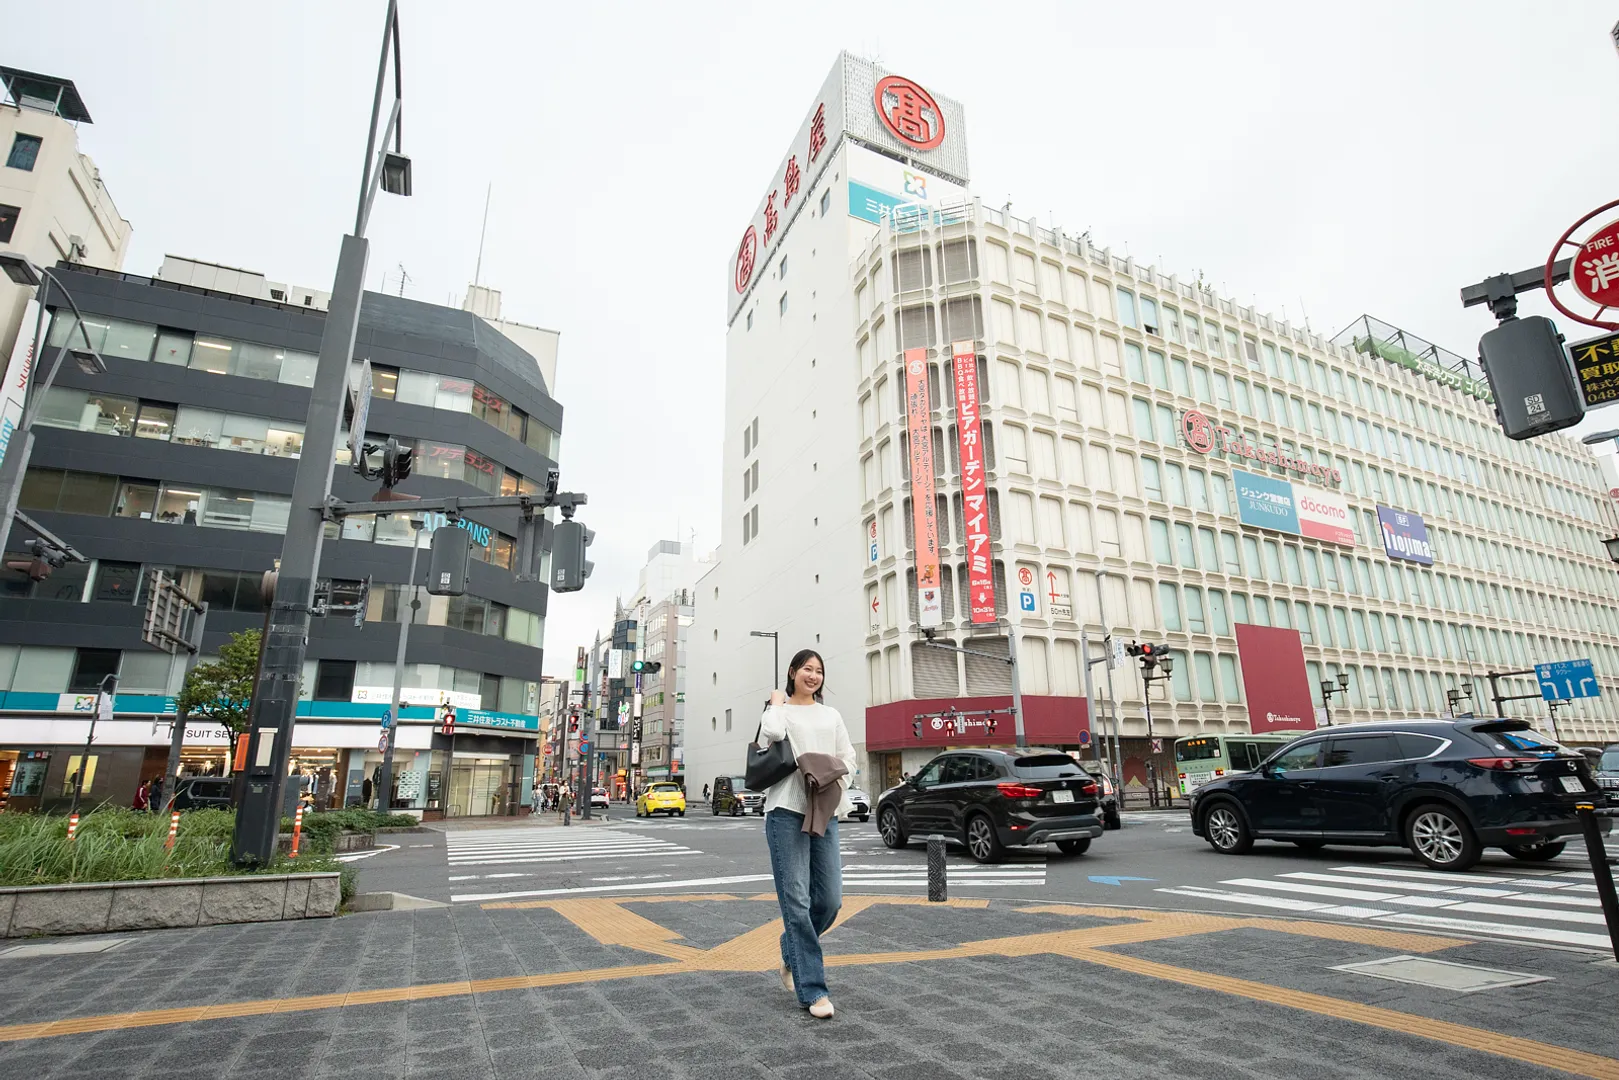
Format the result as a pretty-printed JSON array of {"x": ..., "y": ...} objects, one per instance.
[{"x": 1201, "y": 758}]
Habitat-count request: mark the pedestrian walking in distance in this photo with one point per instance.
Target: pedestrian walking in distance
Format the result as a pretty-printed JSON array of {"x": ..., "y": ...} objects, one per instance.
[
  {"x": 705, "y": 792},
  {"x": 801, "y": 824}
]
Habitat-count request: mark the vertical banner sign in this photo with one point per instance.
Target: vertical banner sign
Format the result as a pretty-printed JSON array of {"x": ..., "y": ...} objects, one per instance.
[
  {"x": 22, "y": 360},
  {"x": 975, "y": 503},
  {"x": 924, "y": 511},
  {"x": 1273, "y": 679}
]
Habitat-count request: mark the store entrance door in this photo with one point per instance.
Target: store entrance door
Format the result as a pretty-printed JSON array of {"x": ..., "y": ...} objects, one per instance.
[{"x": 479, "y": 786}]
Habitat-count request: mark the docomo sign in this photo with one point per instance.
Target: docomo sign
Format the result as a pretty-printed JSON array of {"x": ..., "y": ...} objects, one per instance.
[{"x": 1204, "y": 436}]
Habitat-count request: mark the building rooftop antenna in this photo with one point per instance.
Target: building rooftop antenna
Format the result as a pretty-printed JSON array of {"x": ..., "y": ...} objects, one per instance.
[
  {"x": 403, "y": 277},
  {"x": 477, "y": 273}
]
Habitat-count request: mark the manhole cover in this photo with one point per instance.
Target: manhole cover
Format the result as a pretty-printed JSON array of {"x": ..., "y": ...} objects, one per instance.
[
  {"x": 60, "y": 948},
  {"x": 1443, "y": 974}
]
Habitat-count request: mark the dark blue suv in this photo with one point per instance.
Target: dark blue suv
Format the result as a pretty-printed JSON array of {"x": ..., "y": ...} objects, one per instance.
[{"x": 1446, "y": 789}]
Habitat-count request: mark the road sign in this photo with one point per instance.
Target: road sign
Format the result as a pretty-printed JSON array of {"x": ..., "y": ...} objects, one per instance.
[
  {"x": 871, "y": 541},
  {"x": 875, "y": 613},
  {"x": 382, "y": 743},
  {"x": 1563, "y": 680},
  {"x": 1158, "y": 746},
  {"x": 1026, "y": 601},
  {"x": 1595, "y": 271},
  {"x": 387, "y": 719},
  {"x": 1116, "y": 657},
  {"x": 1059, "y": 604},
  {"x": 1085, "y": 737}
]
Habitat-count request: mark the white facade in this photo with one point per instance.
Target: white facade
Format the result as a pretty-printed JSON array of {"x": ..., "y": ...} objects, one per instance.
[
  {"x": 1088, "y": 364},
  {"x": 537, "y": 341},
  {"x": 58, "y": 206},
  {"x": 238, "y": 282}
]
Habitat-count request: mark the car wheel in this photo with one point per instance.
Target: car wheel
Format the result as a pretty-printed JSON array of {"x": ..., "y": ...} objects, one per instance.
[
  {"x": 1441, "y": 837},
  {"x": 1536, "y": 852},
  {"x": 1310, "y": 845},
  {"x": 891, "y": 828},
  {"x": 682, "y": 813},
  {"x": 716, "y": 810},
  {"x": 735, "y": 809},
  {"x": 983, "y": 844},
  {"x": 1111, "y": 821},
  {"x": 1074, "y": 847},
  {"x": 1225, "y": 829},
  {"x": 864, "y": 818}
]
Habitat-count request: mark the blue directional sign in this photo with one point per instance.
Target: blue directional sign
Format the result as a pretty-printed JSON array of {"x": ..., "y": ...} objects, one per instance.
[
  {"x": 387, "y": 718},
  {"x": 1563, "y": 680}
]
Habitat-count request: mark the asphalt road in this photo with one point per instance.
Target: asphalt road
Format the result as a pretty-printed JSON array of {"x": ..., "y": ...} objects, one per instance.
[{"x": 1154, "y": 861}]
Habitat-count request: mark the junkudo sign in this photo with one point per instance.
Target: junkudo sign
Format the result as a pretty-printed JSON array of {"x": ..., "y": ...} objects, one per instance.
[
  {"x": 1204, "y": 436},
  {"x": 1269, "y": 502}
]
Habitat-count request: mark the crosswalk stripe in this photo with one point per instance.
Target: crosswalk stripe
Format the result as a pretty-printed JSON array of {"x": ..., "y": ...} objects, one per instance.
[
  {"x": 547, "y": 845},
  {"x": 1540, "y": 907}
]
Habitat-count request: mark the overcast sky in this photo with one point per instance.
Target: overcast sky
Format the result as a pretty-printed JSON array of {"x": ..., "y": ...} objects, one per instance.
[{"x": 1321, "y": 161}]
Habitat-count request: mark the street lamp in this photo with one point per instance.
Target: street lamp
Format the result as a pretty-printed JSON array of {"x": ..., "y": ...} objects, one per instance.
[
  {"x": 258, "y": 818},
  {"x": 18, "y": 446},
  {"x": 1328, "y": 690},
  {"x": 775, "y": 667}
]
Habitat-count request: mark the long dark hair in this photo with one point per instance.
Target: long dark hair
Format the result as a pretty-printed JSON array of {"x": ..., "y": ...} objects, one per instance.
[{"x": 800, "y": 658}]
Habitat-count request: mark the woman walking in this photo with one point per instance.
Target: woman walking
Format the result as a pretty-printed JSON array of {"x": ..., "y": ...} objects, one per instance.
[{"x": 802, "y": 829}]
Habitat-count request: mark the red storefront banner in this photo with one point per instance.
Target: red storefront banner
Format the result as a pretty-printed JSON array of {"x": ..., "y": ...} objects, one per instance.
[
  {"x": 1273, "y": 679},
  {"x": 975, "y": 502},
  {"x": 920, "y": 722},
  {"x": 924, "y": 510}
]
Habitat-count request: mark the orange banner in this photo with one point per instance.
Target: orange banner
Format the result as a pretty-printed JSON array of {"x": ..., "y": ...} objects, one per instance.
[{"x": 924, "y": 511}]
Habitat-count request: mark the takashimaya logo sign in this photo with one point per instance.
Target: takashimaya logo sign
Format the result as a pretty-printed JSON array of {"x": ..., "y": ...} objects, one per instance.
[
  {"x": 746, "y": 255},
  {"x": 909, "y": 112},
  {"x": 1205, "y": 437}
]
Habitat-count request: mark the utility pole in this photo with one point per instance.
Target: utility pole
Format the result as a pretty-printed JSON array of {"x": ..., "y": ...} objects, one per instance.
[
  {"x": 258, "y": 818},
  {"x": 385, "y": 778},
  {"x": 104, "y": 700},
  {"x": 1501, "y": 699}
]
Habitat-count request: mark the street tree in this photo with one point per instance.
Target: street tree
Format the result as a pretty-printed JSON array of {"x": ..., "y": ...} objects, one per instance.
[{"x": 222, "y": 690}]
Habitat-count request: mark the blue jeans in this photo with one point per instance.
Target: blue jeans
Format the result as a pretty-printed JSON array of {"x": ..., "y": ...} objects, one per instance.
[{"x": 809, "y": 888}]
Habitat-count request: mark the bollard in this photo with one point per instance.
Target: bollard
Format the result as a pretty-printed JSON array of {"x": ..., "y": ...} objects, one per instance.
[
  {"x": 938, "y": 890},
  {"x": 73, "y": 826},
  {"x": 297, "y": 829},
  {"x": 1600, "y": 870},
  {"x": 174, "y": 828}
]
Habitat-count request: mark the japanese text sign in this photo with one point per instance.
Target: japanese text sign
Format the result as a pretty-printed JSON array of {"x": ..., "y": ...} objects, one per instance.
[
  {"x": 974, "y": 498},
  {"x": 1596, "y": 269},
  {"x": 924, "y": 511},
  {"x": 1597, "y": 362}
]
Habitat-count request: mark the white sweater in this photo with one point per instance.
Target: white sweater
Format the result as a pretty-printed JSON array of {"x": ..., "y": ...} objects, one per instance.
[{"x": 812, "y": 729}]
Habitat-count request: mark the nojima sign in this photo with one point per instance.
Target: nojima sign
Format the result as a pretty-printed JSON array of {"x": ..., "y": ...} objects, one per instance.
[{"x": 1405, "y": 536}]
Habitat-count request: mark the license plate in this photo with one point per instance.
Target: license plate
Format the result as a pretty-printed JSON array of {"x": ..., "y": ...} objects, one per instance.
[
  {"x": 1572, "y": 783},
  {"x": 1062, "y": 796}
]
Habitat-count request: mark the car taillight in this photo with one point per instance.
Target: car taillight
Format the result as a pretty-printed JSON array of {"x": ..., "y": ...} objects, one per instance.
[
  {"x": 1501, "y": 764},
  {"x": 1013, "y": 790},
  {"x": 1219, "y": 772},
  {"x": 1089, "y": 788}
]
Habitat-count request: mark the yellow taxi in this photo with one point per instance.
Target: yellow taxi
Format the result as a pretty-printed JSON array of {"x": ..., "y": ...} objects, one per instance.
[{"x": 665, "y": 798}]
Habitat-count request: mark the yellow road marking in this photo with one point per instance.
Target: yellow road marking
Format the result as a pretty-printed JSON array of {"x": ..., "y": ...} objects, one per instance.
[
  {"x": 1526, "y": 1050},
  {"x": 608, "y": 921}
]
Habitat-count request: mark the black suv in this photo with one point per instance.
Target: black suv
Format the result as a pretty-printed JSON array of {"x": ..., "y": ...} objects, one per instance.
[
  {"x": 731, "y": 796},
  {"x": 1444, "y": 788},
  {"x": 991, "y": 800},
  {"x": 203, "y": 793}
]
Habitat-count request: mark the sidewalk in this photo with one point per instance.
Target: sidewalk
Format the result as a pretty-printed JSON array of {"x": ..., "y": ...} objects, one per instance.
[{"x": 683, "y": 986}]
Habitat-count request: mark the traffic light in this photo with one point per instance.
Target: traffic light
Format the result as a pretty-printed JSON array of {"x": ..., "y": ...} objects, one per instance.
[
  {"x": 569, "y": 567},
  {"x": 645, "y": 667},
  {"x": 397, "y": 460},
  {"x": 916, "y": 728},
  {"x": 1150, "y": 654},
  {"x": 446, "y": 716},
  {"x": 1530, "y": 375},
  {"x": 43, "y": 559},
  {"x": 573, "y": 723}
]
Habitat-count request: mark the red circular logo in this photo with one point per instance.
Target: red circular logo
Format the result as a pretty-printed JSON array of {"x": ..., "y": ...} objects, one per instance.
[
  {"x": 746, "y": 255},
  {"x": 1198, "y": 431},
  {"x": 1596, "y": 267},
  {"x": 909, "y": 112}
]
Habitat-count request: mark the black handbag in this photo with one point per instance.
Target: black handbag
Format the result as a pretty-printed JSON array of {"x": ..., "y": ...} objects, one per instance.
[{"x": 770, "y": 766}]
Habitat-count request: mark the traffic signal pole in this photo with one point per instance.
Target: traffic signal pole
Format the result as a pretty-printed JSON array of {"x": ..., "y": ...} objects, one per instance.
[{"x": 391, "y": 733}]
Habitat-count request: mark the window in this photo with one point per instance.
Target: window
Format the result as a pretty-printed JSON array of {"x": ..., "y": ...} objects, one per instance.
[
  {"x": 1362, "y": 750},
  {"x": 826, "y": 201},
  {"x": 750, "y": 327},
  {"x": 1127, "y": 308},
  {"x": 8, "y": 222},
  {"x": 781, "y": 270},
  {"x": 117, "y": 582},
  {"x": 334, "y": 680},
  {"x": 24, "y": 152},
  {"x": 1307, "y": 756},
  {"x": 90, "y": 668},
  {"x": 782, "y": 304}
]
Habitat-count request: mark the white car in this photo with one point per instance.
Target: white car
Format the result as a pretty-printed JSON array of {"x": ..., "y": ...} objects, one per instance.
[
  {"x": 598, "y": 799},
  {"x": 861, "y": 810}
]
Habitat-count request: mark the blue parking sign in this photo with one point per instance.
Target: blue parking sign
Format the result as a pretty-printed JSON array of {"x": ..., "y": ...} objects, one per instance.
[
  {"x": 1564, "y": 680},
  {"x": 1026, "y": 601}
]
